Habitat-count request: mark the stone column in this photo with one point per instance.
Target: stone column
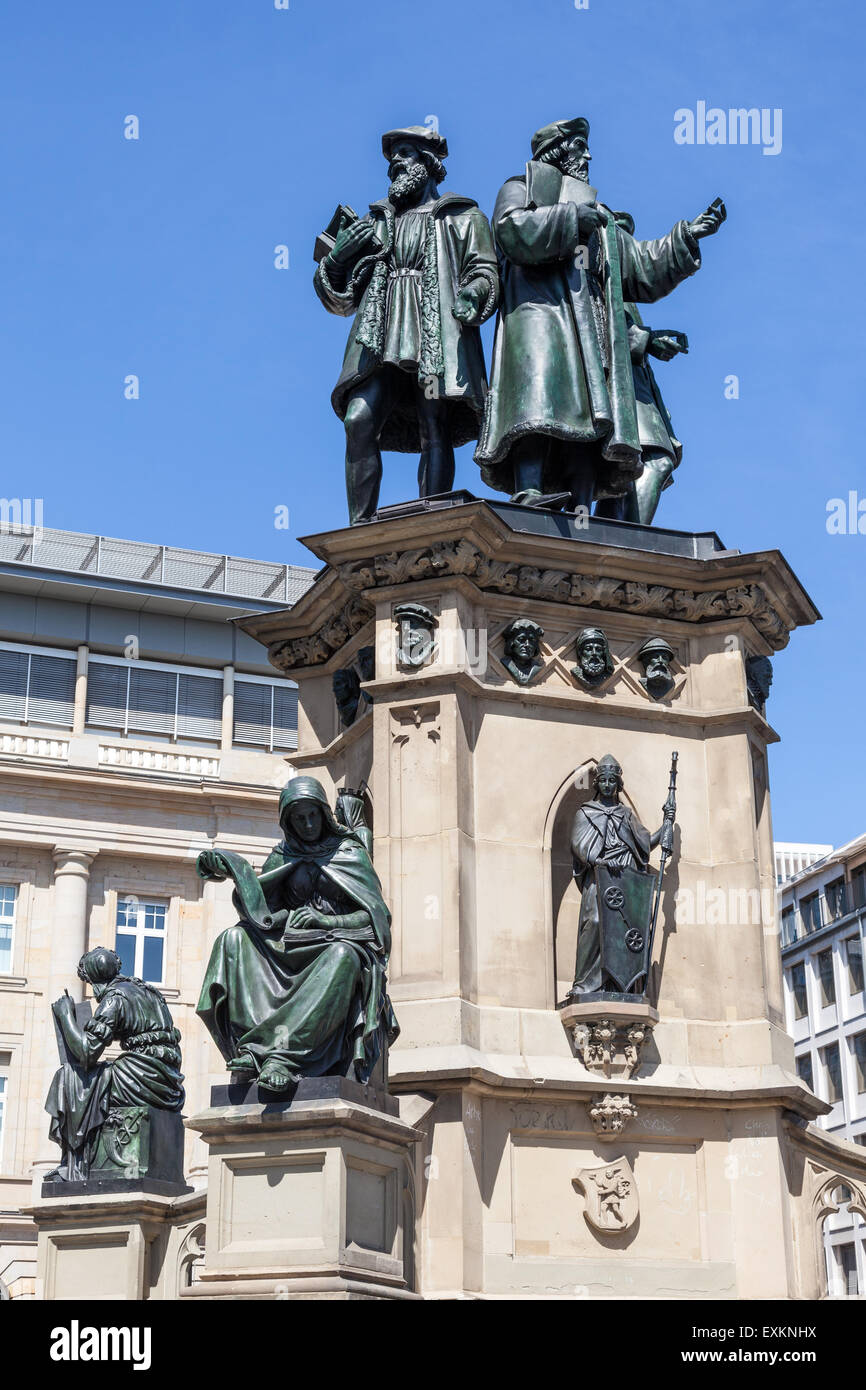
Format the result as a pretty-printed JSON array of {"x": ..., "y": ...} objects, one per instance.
[
  {"x": 69, "y": 913},
  {"x": 79, "y": 711},
  {"x": 228, "y": 717}
]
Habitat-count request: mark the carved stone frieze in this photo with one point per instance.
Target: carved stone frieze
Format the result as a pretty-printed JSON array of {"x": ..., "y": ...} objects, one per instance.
[
  {"x": 461, "y": 557},
  {"x": 611, "y": 1114}
]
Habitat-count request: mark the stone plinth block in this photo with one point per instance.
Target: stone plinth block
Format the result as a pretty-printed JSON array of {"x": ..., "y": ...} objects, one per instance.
[
  {"x": 94, "y": 1246},
  {"x": 307, "y": 1198},
  {"x": 609, "y": 1035}
]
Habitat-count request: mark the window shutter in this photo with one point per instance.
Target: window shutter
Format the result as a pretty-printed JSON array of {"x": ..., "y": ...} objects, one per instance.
[
  {"x": 252, "y": 713},
  {"x": 151, "y": 701},
  {"x": 52, "y": 690},
  {"x": 285, "y": 716},
  {"x": 106, "y": 695},
  {"x": 199, "y": 707},
  {"x": 13, "y": 684}
]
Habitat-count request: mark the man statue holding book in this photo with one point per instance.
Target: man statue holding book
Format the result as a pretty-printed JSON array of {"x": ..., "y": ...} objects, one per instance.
[{"x": 419, "y": 274}]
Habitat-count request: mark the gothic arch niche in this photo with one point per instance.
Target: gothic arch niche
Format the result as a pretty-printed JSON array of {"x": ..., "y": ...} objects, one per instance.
[
  {"x": 563, "y": 896},
  {"x": 840, "y": 1214}
]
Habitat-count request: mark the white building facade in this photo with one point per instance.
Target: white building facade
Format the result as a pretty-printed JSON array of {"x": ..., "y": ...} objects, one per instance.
[{"x": 822, "y": 916}]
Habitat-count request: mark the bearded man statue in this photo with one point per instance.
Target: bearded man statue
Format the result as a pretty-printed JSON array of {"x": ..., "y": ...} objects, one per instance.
[{"x": 420, "y": 274}]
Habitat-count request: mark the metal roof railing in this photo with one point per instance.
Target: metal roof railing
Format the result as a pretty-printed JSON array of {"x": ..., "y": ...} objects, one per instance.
[{"x": 155, "y": 564}]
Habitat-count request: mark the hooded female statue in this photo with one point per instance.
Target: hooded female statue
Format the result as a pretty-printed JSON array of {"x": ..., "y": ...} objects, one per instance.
[{"x": 297, "y": 988}]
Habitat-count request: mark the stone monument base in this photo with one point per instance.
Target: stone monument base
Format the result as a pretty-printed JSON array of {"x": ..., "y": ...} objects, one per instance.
[{"x": 308, "y": 1197}]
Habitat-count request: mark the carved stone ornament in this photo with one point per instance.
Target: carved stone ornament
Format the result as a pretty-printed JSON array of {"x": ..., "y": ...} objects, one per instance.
[
  {"x": 462, "y": 557},
  {"x": 610, "y": 1191},
  {"x": 609, "y": 1046},
  {"x": 562, "y": 586},
  {"x": 611, "y": 1114},
  {"x": 416, "y": 626}
]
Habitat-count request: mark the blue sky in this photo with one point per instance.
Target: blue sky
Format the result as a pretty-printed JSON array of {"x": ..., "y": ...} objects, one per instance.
[{"x": 156, "y": 257}]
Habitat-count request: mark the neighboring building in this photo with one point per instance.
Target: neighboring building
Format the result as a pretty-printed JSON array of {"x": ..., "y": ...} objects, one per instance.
[
  {"x": 792, "y": 859},
  {"x": 138, "y": 725},
  {"x": 822, "y": 917}
]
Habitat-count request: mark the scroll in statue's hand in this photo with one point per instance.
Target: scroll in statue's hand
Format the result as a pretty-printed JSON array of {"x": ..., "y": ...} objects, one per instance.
[{"x": 209, "y": 865}]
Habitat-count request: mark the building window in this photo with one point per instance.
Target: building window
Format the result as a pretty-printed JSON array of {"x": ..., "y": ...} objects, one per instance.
[
  {"x": 266, "y": 715},
  {"x": 789, "y": 926},
  {"x": 858, "y": 1046},
  {"x": 140, "y": 938},
  {"x": 858, "y": 886},
  {"x": 798, "y": 990},
  {"x": 142, "y": 698},
  {"x": 854, "y": 961},
  {"x": 36, "y": 687},
  {"x": 8, "y": 902},
  {"x": 833, "y": 1071},
  {"x": 836, "y": 899},
  {"x": 825, "y": 976},
  {"x": 846, "y": 1268},
  {"x": 810, "y": 911},
  {"x": 804, "y": 1070}
]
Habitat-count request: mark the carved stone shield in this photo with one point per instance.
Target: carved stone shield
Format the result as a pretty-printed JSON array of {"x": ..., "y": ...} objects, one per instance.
[
  {"x": 624, "y": 913},
  {"x": 610, "y": 1190}
]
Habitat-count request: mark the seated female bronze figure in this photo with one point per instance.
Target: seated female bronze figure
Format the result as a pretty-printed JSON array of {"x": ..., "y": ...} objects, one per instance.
[{"x": 297, "y": 988}]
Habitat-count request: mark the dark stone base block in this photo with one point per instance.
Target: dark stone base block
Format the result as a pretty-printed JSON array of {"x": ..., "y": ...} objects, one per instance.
[{"x": 248, "y": 1092}]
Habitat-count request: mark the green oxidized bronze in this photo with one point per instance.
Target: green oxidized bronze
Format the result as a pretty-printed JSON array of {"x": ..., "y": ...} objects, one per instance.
[
  {"x": 98, "y": 1108},
  {"x": 561, "y": 421},
  {"x": 619, "y": 897},
  {"x": 297, "y": 988},
  {"x": 419, "y": 273}
]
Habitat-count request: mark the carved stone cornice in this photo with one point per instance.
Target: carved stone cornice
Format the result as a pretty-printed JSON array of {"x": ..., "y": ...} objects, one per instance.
[
  {"x": 474, "y": 546},
  {"x": 320, "y": 646},
  {"x": 605, "y": 592}
]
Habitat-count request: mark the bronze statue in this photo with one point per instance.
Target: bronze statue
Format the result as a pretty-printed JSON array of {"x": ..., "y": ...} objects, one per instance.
[
  {"x": 419, "y": 273},
  {"x": 656, "y": 656},
  {"x": 297, "y": 987},
  {"x": 88, "y": 1096},
  {"x": 561, "y": 422},
  {"x": 521, "y": 656},
  {"x": 610, "y": 850},
  {"x": 594, "y": 661}
]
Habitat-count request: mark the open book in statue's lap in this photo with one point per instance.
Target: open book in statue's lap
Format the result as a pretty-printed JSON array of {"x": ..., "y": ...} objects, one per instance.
[{"x": 297, "y": 987}]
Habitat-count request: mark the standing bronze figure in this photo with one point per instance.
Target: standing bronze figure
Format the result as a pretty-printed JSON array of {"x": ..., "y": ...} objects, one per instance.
[
  {"x": 610, "y": 851},
  {"x": 561, "y": 417},
  {"x": 420, "y": 274}
]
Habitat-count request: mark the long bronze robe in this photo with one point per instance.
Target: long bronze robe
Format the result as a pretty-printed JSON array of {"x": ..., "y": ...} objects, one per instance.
[
  {"x": 316, "y": 1003},
  {"x": 561, "y": 358},
  {"x": 600, "y": 835}
]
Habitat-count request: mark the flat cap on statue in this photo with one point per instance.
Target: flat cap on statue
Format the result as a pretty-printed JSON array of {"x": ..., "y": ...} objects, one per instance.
[
  {"x": 421, "y": 135},
  {"x": 551, "y": 134}
]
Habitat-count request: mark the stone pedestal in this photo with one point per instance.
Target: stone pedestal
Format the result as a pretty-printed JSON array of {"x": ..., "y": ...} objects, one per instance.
[
  {"x": 97, "y": 1246},
  {"x": 311, "y": 1197},
  {"x": 474, "y": 782},
  {"x": 609, "y": 1034}
]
